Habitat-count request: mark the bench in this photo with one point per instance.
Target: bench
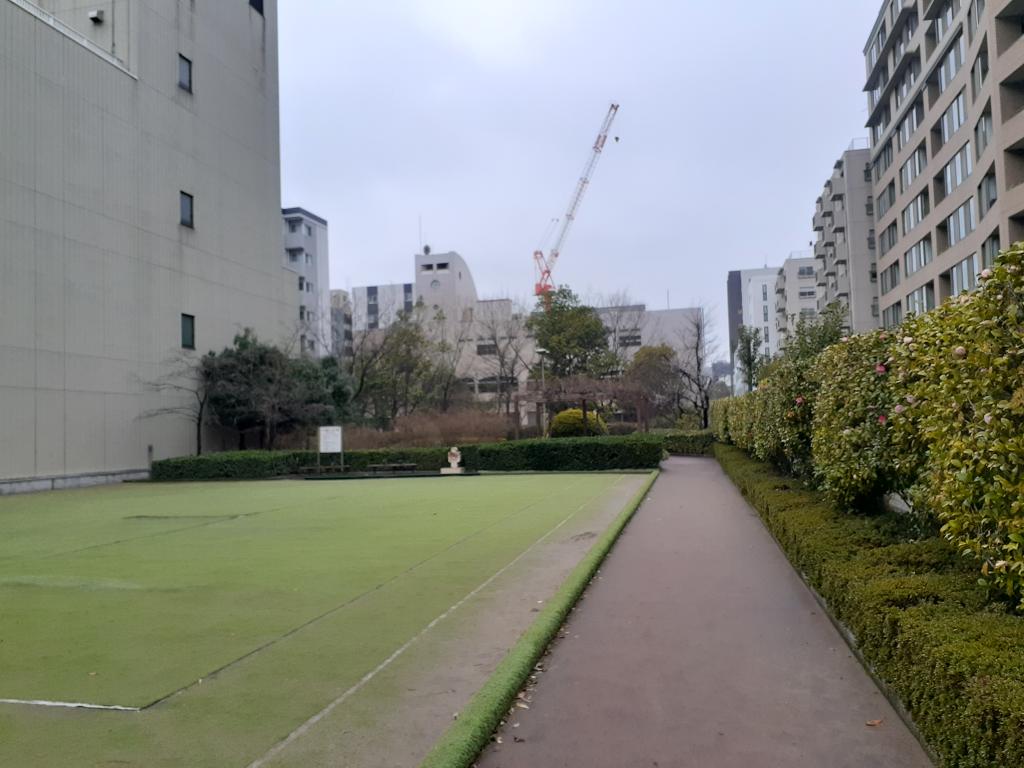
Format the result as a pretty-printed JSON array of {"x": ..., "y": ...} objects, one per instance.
[{"x": 390, "y": 468}]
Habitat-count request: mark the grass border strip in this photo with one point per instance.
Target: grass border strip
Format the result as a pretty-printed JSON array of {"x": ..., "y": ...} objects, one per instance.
[{"x": 463, "y": 742}]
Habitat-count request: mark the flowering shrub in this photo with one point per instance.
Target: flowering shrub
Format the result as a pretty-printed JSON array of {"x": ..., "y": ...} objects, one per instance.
[
  {"x": 852, "y": 445},
  {"x": 569, "y": 423},
  {"x": 720, "y": 419},
  {"x": 961, "y": 371}
]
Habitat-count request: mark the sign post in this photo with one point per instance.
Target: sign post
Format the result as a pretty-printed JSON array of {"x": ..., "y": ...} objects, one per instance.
[{"x": 330, "y": 442}]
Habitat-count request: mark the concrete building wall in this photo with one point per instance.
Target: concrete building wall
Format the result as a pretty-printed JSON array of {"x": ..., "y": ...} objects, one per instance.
[
  {"x": 945, "y": 83},
  {"x": 795, "y": 293},
  {"x": 846, "y": 243},
  {"x": 96, "y": 269},
  {"x": 307, "y": 258},
  {"x": 378, "y": 306}
]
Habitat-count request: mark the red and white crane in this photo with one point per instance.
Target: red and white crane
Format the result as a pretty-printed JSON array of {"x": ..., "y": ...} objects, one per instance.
[{"x": 546, "y": 263}]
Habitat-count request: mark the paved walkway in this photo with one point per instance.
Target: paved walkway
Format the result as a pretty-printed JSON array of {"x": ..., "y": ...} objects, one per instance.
[{"x": 700, "y": 647}]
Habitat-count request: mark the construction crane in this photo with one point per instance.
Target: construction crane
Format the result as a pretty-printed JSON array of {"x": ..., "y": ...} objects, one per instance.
[{"x": 545, "y": 264}]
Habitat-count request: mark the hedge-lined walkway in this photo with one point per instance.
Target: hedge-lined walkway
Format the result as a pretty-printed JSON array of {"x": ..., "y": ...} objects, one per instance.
[{"x": 700, "y": 646}]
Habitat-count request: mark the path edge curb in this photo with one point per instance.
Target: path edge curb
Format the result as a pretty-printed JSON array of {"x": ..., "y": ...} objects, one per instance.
[{"x": 467, "y": 737}]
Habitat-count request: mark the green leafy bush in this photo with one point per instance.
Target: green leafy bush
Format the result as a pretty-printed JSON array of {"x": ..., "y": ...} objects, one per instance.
[
  {"x": 570, "y": 454},
  {"x": 851, "y": 447},
  {"x": 961, "y": 374},
  {"x": 696, "y": 443},
  {"x": 720, "y": 418},
  {"x": 569, "y": 423},
  {"x": 918, "y": 615}
]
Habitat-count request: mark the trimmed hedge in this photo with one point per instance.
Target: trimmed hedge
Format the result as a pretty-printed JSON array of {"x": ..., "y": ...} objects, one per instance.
[
  {"x": 719, "y": 414},
  {"x": 581, "y": 454},
  {"x": 689, "y": 443},
  {"x": 918, "y": 615}
]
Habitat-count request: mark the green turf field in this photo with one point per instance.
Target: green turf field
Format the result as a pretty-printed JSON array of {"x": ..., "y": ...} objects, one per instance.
[{"x": 229, "y": 613}]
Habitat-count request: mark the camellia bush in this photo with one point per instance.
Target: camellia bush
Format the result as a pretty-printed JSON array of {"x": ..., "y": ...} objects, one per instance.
[
  {"x": 719, "y": 414},
  {"x": 852, "y": 444},
  {"x": 961, "y": 376}
]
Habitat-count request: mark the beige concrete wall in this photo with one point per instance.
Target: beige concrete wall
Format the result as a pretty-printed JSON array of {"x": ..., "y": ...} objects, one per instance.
[{"x": 95, "y": 268}]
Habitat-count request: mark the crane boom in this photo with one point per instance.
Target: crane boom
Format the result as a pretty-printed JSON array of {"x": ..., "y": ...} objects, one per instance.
[{"x": 546, "y": 263}]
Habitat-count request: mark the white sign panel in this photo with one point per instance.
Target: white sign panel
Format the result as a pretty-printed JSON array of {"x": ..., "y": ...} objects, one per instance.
[{"x": 330, "y": 439}]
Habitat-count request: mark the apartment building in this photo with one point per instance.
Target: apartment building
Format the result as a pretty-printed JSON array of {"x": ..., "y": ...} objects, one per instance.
[
  {"x": 796, "y": 293},
  {"x": 342, "y": 334},
  {"x": 307, "y": 258},
  {"x": 751, "y": 299},
  {"x": 945, "y": 84},
  {"x": 847, "y": 273},
  {"x": 139, "y": 221}
]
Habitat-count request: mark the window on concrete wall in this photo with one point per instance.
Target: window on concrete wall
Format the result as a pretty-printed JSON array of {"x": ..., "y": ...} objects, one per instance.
[
  {"x": 187, "y": 209},
  {"x": 256, "y": 5},
  {"x": 188, "y": 331},
  {"x": 987, "y": 192},
  {"x": 184, "y": 73}
]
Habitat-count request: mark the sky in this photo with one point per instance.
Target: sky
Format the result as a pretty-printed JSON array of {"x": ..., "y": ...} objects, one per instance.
[{"x": 471, "y": 121}]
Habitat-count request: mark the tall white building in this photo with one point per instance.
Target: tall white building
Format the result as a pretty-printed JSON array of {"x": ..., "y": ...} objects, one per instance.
[
  {"x": 307, "y": 258},
  {"x": 139, "y": 220}
]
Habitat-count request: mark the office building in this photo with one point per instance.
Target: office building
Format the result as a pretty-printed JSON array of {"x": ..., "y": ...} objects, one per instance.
[
  {"x": 945, "y": 84},
  {"x": 140, "y": 219},
  {"x": 845, "y": 249},
  {"x": 306, "y": 256}
]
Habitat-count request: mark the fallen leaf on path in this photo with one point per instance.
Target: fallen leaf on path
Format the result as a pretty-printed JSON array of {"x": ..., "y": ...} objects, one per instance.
[{"x": 874, "y": 723}]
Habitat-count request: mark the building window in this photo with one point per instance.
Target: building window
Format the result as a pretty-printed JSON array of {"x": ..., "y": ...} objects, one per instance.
[
  {"x": 805, "y": 272},
  {"x": 917, "y": 257},
  {"x": 961, "y": 223},
  {"x": 980, "y": 71},
  {"x": 888, "y": 238},
  {"x": 293, "y": 225},
  {"x": 488, "y": 349},
  {"x": 309, "y": 258},
  {"x": 990, "y": 249},
  {"x": 974, "y": 16},
  {"x": 944, "y": 21},
  {"x": 958, "y": 169},
  {"x": 908, "y": 127},
  {"x": 293, "y": 255},
  {"x": 987, "y": 192},
  {"x": 309, "y": 231},
  {"x": 964, "y": 276},
  {"x": 951, "y": 62},
  {"x": 911, "y": 169},
  {"x": 187, "y": 204},
  {"x": 302, "y": 313},
  {"x": 983, "y": 132},
  {"x": 302, "y": 283},
  {"x": 952, "y": 118},
  {"x": 807, "y": 293},
  {"x": 892, "y": 316},
  {"x": 188, "y": 332},
  {"x": 765, "y": 308},
  {"x": 914, "y": 213},
  {"x": 890, "y": 277},
  {"x": 886, "y": 199},
  {"x": 921, "y": 300},
  {"x": 766, "y": 341},
  {"x": 257, "y": 5},
  {"x": 184, "y": 73},
  {"x": 764, "y": 293},
  {"x": 883, "y": 160}
]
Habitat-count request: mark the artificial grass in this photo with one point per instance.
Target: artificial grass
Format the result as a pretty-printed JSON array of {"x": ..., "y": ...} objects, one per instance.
[
  {"x": 125, "y": 595},
  {"x": 468, "y": 736}
]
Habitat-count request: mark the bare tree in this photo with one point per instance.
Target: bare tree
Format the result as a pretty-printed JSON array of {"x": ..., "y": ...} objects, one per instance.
[
  {"x": 502, "y": 335},
  {"x": 624, "y": 320},
  {"x": 450, "y": 337},
  {"x": 696, "y": 347},
  {"x": 187, "y": 384}
]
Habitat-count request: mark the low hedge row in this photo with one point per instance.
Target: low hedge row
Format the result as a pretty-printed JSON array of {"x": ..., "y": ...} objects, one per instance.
[
  {"x": 566, "y": 455},
  {"x": 689, "y": 443},
  {"x": 916, "y": 611}
]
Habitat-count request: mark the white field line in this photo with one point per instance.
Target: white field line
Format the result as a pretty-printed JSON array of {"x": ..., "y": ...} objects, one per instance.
[
  {"x": 303, "y": 729},
  {"x": 69, "y": 705}
]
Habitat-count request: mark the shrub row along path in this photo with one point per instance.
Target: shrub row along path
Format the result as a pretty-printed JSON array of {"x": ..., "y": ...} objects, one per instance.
[{"x": 700, "y": 646}]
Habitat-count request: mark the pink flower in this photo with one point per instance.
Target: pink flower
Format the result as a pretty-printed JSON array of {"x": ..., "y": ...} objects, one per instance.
[
  {"x": 986, "y": 274},
  {"x": 911, "y": 399},
  {"x": 899, "y": 409},
  {"x": 883, "y": 419},
  {"x": 879, "y": 369},
  {"x": 883, "y": 335},
  {"x": 800, "y": 401},
  {"x": 845, "y": 339},
  {"x": 960, "y": 353},
  {"x": 988, "y": 418}
]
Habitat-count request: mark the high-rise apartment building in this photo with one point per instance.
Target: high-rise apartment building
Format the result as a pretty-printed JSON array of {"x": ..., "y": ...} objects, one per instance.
[
  {"x": 796, "y": 295},
  {"x": 945, "y": 83},
  {"x": 140, "y": 220},
  {"x": 307, "y": 258},
  {"x": 845, "y": 249},
  {"x": 751, "y": 295}
]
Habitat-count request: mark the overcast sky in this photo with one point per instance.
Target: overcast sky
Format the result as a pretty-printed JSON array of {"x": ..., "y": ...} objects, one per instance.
[{"x": 477, "y": 116}]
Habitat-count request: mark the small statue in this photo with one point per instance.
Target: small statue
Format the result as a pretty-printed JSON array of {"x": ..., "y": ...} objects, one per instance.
[{"x": 454, "y": 458}]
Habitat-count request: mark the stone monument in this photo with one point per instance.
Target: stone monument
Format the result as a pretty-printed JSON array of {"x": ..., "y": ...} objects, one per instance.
[{"x": 454, "y": 458}]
